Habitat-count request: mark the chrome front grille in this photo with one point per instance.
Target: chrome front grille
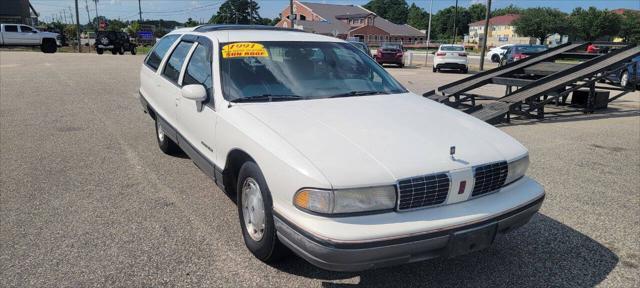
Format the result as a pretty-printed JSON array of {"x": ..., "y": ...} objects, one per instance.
[
  {"x": 423, "y": 191},
  {"x": 489, "y": 177}
]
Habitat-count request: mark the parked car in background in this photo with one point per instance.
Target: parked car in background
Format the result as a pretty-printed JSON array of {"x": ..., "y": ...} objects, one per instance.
[
  {"x": 116, "y": 42},
  {"x": 390, "y": 53},
  {"x": 496, "y": 52},
  {"x": 624, "y": 77},
  {"x": 362, "y": 47},
  {"x": 24, "y": 35},
  {"x": 519, "y": 52},
  {"x": 451, "y": 56},
  {"x": 327, "y": 154}
]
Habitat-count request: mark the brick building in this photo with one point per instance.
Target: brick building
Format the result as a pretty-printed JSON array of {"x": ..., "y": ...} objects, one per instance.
[{"x": 348, "y": 21}]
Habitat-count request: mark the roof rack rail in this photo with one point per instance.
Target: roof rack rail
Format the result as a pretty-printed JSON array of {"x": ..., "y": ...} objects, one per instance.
[{"x": 222, "y": 27}]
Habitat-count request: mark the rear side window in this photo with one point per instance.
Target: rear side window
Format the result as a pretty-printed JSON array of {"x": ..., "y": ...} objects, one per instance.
[
  {"x": 174, "y": 64},
  {"x": 199, "y": 70},
  {"x": 26, "y": 29},
  {"x": 155, "y": 57},
  {"x": 10, "y": 28}
]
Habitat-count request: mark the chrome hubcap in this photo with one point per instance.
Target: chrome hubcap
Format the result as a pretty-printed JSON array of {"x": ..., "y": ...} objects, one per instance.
[
  {"x": 253, "y": 209},
  {"x": 160, "y": 133}
]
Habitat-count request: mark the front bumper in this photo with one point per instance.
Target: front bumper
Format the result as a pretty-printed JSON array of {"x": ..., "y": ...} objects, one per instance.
[{"x": 442, "y": 243}]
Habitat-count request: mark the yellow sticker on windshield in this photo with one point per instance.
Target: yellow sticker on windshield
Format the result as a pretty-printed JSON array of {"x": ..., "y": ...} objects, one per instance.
[{"x": 244, "y": 49}]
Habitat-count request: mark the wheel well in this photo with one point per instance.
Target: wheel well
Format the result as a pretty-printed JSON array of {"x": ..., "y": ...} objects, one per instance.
[{"x": 235, "y": 159}]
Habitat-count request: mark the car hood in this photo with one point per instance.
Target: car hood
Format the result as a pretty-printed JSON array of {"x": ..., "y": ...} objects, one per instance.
[{"x": 376, "y": 140}]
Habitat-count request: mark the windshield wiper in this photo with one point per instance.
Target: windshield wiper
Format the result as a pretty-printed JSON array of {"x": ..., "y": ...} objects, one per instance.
[
  {"x": 267, "y": 98},
  {"x": 358, "y": 93}
]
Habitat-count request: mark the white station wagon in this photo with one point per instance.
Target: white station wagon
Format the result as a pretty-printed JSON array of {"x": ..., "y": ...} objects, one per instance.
[{"x": 327, "y": 154}]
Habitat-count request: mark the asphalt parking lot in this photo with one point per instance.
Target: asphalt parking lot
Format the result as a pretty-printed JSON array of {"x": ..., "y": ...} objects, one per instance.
[{"x": 87, "y": 198}]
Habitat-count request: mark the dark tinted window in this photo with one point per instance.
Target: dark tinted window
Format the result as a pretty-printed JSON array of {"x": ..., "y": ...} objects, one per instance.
[
  {"x": 155, "y": 56},
  {"x": 26, "y": 29},
  {"x": 199, "y": 70},
  {"x": 174, "y": 64},
  {"x": 10, "y": 28}
]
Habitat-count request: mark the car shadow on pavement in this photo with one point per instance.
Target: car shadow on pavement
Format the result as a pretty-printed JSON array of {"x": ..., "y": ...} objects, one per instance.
[{"x": 543, "y": 253}]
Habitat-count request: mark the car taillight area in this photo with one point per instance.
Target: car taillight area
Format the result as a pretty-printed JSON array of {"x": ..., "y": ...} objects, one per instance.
[
  {"x": 462, "y": 54},
  {"x": 519, "y": 56},
  {"x": 441, "y": 54}
]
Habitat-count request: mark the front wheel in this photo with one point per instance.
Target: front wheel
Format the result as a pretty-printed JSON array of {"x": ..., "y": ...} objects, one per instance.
[
  {"x": 495, "y": 58},
  {"x": 133, "y": 50},
  {"x": 100, "y": 51},
  {"x": 164, "y": 142},
  {"x": 255, "y": 210},
  {"x": 121, "y": 50}
]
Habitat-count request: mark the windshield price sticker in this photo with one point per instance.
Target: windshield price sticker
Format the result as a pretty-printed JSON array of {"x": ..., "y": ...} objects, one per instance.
[{"x": 246, "y": 49}]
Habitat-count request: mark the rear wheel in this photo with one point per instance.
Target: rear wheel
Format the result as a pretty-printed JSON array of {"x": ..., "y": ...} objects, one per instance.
[
  {"x": 133, "y": 50},
  {"x": 100, "y": 51},
  {"x": 465, "y": 70},
  {"x": 114, "y": 51},
  {"x": 495, "y": 58},
  {"x": 166, "y": 145},
  {"x": 255, "y": 209},
  {"x": 121, "y": 50},
  {"x": 401, "y": 65}
]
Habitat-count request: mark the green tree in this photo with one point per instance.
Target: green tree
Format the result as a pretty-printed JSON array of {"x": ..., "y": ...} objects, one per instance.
[
  {"x": 541, "y": 23},
  {"x": 133, "y": 28},
  {"x": 477, "y": 12},
  {"x": 70, "y": 31},
  {"x": 395, "y": 11},
  {"x": 592, "y": 24},
  {"x": 190, "y": 23},
  {"x": 630, "y": 28},
  {"x": 511, "y": 9},
  {"x": 443, "y": 22},
  {"x": 237, "y": 12},
  {"x": 418, "y": 18}
]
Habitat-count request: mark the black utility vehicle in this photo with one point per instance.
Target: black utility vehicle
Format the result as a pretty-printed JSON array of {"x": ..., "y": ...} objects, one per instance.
[{"x": 116, "y": 42}]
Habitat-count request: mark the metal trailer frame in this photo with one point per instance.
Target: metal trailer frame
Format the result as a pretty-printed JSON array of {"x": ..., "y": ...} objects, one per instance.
[{"x": 533, "y": 92}]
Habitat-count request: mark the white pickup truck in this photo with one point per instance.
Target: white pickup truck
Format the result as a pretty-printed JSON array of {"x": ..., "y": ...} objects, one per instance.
[
  {"x": 327, "y": 154},
  {"x": 23, "y": 35}
]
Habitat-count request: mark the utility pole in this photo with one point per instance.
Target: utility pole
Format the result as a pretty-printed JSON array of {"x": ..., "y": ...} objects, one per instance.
[
  {"x": 140, "y": 9},
  {"x": 426, "y": 59},
  {"x": 97, "y": 15},
  {"x": 86, "y": 6},
  {"x": 250, "y": 12},
  {"x": 455, "y": 23},
  {"x": 291, "y": 16},
  {"x": 486, "y": 34},
  {"x": 78, "y": 27}
]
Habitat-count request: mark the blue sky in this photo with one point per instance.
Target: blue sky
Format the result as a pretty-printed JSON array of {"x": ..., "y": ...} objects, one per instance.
[{"x": 180, "y": 10}]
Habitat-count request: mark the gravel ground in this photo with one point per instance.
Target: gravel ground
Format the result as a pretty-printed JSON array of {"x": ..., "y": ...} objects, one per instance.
[{"x": 87, "y": 199}]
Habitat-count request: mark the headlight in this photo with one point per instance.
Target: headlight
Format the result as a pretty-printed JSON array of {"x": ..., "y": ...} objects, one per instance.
[
  {"x": 517, "y": 169},
  {"x": 343, "y": 201}
]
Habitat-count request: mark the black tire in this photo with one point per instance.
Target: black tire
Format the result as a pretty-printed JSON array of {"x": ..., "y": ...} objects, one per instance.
[
  {"x": 49, "y": 46},
  {"x": 100, "y": 51},
  {"x": 268, "y": 249},
  {"x": 121, "y": 50},
  {"x": 134, "y": 50},
  {"x": 114, "y": 51},
  {"x": 465, "y": 70},
  {"x": 164, "y": 142},
  {"x": 434, "y": 69},
  {"x": 495, "y": 58},
  {"x": 401, "y": 65}
]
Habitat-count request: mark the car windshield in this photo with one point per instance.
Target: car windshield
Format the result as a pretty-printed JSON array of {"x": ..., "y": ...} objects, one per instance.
[
  {"x": 280, "y": 71},
  {"x": 530, "y": 49},
  {"x": 451, "y": 48}
]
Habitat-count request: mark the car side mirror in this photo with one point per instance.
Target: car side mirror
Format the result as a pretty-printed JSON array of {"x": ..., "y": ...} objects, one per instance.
[{"x": 195, "y": 92}]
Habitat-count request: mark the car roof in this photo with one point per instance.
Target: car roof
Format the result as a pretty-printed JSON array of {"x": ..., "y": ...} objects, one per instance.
[{"x": 244, "y": 33}]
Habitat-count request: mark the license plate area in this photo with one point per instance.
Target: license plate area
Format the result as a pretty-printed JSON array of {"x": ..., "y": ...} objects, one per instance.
[{"x": 471, "y": 240}]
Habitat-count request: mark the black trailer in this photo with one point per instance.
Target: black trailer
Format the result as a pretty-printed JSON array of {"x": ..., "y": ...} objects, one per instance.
[{"x": 536, "y": 81}]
